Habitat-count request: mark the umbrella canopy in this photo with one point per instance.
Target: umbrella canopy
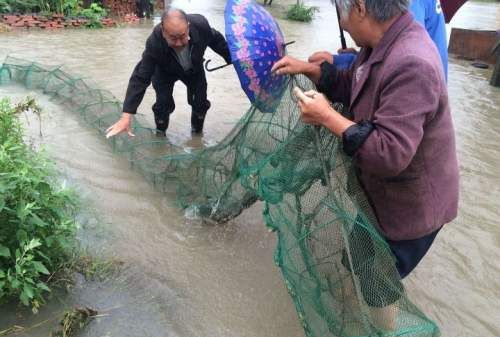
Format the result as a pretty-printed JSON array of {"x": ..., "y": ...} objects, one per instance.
[
  {"x": 450, "y": 7},
  {"x": 255, "y": 43}
]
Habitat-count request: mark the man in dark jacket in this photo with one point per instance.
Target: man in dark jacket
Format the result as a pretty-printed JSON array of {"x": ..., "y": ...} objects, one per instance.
[{"x": 174, "y": 51}]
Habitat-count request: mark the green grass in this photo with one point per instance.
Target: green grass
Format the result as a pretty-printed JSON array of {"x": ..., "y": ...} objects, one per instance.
[{"x": 300, "y": 12}]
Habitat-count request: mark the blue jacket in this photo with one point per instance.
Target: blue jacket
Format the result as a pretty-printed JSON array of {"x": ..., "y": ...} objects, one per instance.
[{"x": 430, "y": 15}]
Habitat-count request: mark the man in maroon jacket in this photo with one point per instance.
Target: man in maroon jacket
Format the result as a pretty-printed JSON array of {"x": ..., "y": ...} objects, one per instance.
[{"x": 400, "y": 132}]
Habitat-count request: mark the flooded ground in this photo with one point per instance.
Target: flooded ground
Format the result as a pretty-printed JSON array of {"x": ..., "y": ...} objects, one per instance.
[{"x": 182, "y": 278}]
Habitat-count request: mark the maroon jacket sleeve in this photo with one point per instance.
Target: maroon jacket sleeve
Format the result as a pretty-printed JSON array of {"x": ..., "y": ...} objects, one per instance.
[{"x": 409, "y": 97}]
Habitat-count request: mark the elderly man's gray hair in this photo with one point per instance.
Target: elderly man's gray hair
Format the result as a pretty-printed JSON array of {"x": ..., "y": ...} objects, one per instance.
[
  {"x": 171, "y": 10},
  {"x": 380, "y": 10}
]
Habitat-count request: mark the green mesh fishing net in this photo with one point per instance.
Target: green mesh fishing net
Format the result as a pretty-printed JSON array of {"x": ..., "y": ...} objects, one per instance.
[{"x": 338, "y": 270}]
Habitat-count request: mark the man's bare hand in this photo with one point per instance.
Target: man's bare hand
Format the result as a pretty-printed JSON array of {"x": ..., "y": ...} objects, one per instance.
[{"x": 122, "y": 125}]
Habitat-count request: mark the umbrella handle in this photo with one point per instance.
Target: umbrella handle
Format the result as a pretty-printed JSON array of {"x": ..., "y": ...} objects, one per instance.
[
  {"x": 216, "y": 68},
  {"x": 228, "y": 64},
  {"x": 342, "y": 37}
]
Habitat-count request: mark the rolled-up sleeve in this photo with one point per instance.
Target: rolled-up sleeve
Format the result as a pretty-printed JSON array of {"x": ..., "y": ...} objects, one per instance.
[
  {"x": 355, "y": 136},
  {"x": 409, "y": 98}
]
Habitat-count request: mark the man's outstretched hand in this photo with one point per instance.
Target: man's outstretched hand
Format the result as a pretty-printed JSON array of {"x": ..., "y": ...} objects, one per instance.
[{"x": 122, "y": 125}]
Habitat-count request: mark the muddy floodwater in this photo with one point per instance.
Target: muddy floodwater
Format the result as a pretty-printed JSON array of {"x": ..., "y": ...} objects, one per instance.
[{"x": 184, "y": 278}]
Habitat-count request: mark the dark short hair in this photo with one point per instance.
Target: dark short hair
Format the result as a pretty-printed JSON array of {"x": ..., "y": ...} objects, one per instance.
[{"x": 169, "y": 10}]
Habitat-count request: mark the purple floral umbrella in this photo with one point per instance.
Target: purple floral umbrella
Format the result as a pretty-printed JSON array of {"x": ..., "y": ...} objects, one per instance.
[{"x": 255, "y": 43}]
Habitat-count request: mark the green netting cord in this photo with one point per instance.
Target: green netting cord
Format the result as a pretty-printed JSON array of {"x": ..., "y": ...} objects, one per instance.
[{"x": 338, "y": 270}]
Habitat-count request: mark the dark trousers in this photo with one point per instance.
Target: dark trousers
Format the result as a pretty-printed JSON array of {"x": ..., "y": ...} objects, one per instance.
[
  {"x": 144, "y": 7},
  {"x": 381, "y": 287},
  {"x": 196, "y": 85}
]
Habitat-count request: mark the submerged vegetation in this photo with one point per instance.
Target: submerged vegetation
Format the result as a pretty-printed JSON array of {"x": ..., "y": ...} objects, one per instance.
[
  {"x": 92, "y": 268},
  {"x": 70, "y": 322},
  {"x": 73, "y": 321}
]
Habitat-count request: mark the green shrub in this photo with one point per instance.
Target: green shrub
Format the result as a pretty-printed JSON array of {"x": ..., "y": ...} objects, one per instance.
[
  {"x": 46, "y": 7},
  {"x": 300, "y": 12},
  {"x": 71, "y": 7},
  {"x": 94, "y": 14},
  {"x": 19, "y": 6},
  {"x": 53, "y": 6},
  {"x": 37, "y": 214},
  {"x": 5, "y": 7},
  {"x": 31, "y": 6}
]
